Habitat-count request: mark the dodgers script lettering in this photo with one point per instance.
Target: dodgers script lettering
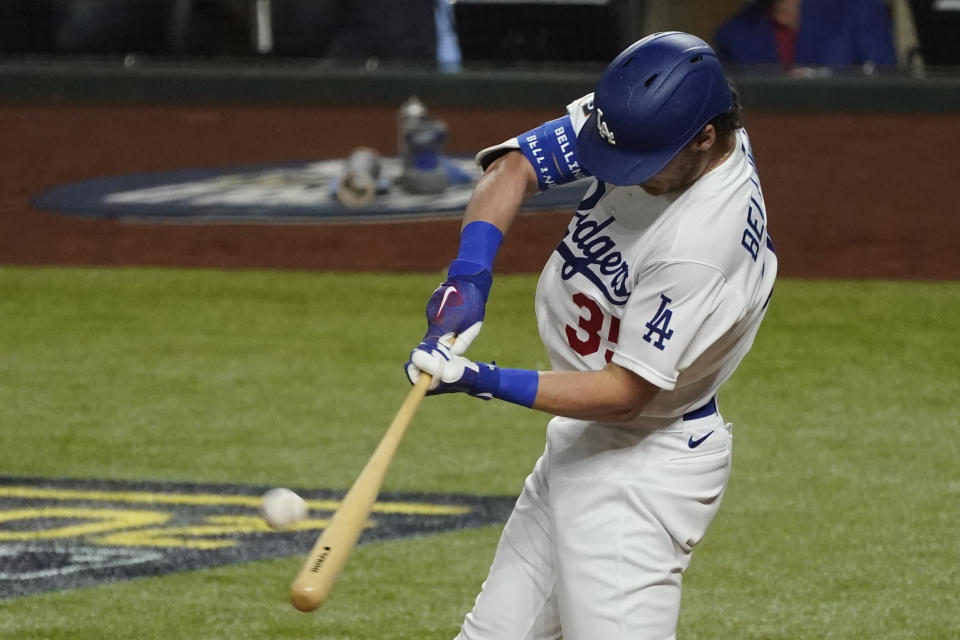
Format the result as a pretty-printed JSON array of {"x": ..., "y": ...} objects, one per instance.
[{"x": 588, "y": 251}]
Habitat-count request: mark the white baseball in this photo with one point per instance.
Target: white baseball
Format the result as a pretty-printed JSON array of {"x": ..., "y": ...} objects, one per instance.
[{"x": 282, "y": 508}]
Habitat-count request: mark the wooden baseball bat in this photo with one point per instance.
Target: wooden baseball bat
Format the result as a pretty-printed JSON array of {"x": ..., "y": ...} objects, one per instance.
[{"x": 322, "y": 566}]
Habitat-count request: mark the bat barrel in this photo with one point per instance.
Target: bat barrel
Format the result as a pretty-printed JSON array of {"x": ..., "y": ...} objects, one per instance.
[{"x": 315, "y": 581}]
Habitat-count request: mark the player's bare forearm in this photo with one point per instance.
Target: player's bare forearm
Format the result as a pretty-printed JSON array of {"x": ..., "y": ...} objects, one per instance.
[
  {"x": 613, "y": 394},
  {"x": 503, "y": 187}
]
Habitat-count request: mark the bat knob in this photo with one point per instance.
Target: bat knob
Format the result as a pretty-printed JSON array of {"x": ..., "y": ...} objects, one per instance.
[{"x": 305, "y": 598}]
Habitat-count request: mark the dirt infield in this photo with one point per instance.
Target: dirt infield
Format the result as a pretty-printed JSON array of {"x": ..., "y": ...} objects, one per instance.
[{"x": 849, "y": 196}]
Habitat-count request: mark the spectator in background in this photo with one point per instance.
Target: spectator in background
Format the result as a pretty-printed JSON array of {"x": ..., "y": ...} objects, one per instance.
[{"x": 809, "y": 33}]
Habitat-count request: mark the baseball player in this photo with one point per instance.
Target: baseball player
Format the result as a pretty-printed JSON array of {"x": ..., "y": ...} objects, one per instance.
[{"x": 646, "y": 307}]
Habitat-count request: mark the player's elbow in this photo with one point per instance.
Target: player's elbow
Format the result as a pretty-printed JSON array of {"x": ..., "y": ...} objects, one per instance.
[
  {"x": 623, "y": 413},
  {"x": 514, "y": 168},
  {"x": 631, "y": 396},
  {"x": 599, "y": 411}
]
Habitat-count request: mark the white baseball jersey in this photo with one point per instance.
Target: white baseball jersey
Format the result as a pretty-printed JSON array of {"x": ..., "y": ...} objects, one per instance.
[{"x": 672, "y": 287}]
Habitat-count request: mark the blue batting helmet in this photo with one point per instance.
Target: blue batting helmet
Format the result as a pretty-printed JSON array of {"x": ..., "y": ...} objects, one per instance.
[{"x": 649, "y": 103}]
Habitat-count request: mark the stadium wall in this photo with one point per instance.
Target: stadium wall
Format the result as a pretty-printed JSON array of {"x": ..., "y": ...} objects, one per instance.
[{"x": 858, "y": 172}]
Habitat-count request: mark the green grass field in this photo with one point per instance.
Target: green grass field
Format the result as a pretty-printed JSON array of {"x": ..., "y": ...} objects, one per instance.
[{"x": 840, "y": 520}]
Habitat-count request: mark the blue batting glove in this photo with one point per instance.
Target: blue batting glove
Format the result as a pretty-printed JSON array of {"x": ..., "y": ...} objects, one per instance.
[
  {"x": 456, "y": 310},
  {"x": 451, "y": 373}
]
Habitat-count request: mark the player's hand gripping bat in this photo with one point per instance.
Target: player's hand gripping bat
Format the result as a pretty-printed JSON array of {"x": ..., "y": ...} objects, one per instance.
[{"x": 315, "y": 580}]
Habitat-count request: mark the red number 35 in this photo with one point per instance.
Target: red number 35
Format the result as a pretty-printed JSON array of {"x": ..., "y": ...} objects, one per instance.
[{"x": 592, "y": 325}]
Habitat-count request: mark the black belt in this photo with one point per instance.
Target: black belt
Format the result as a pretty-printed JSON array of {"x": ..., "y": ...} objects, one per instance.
[{"x": 702, "y": 412}]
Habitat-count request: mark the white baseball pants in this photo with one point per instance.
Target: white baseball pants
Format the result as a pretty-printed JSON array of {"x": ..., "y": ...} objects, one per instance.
[{"x": 601, "y": 533}]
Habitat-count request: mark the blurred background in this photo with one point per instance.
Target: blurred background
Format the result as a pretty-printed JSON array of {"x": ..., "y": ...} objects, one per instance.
[
  {"x": 852, "y": 106},
  {"x": 463, "y": 34},
  {"x": 54, "y": 49}
]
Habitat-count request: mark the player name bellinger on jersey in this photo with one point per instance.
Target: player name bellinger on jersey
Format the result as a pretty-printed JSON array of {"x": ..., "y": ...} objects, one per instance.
[{"x": 551, "y": 149}]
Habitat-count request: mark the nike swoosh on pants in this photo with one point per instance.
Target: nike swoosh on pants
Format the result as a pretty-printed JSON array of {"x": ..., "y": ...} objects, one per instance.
[{"x": 693, "y": 444}]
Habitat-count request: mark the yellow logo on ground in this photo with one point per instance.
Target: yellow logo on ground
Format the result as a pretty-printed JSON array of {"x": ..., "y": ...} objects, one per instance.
[{"x": 57, "y": 534}]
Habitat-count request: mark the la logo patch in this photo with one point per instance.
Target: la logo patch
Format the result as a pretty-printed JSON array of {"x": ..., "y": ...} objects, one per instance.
[
  {"x": 604, "y": 129},
  {"x": 660, "y": 324}
]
